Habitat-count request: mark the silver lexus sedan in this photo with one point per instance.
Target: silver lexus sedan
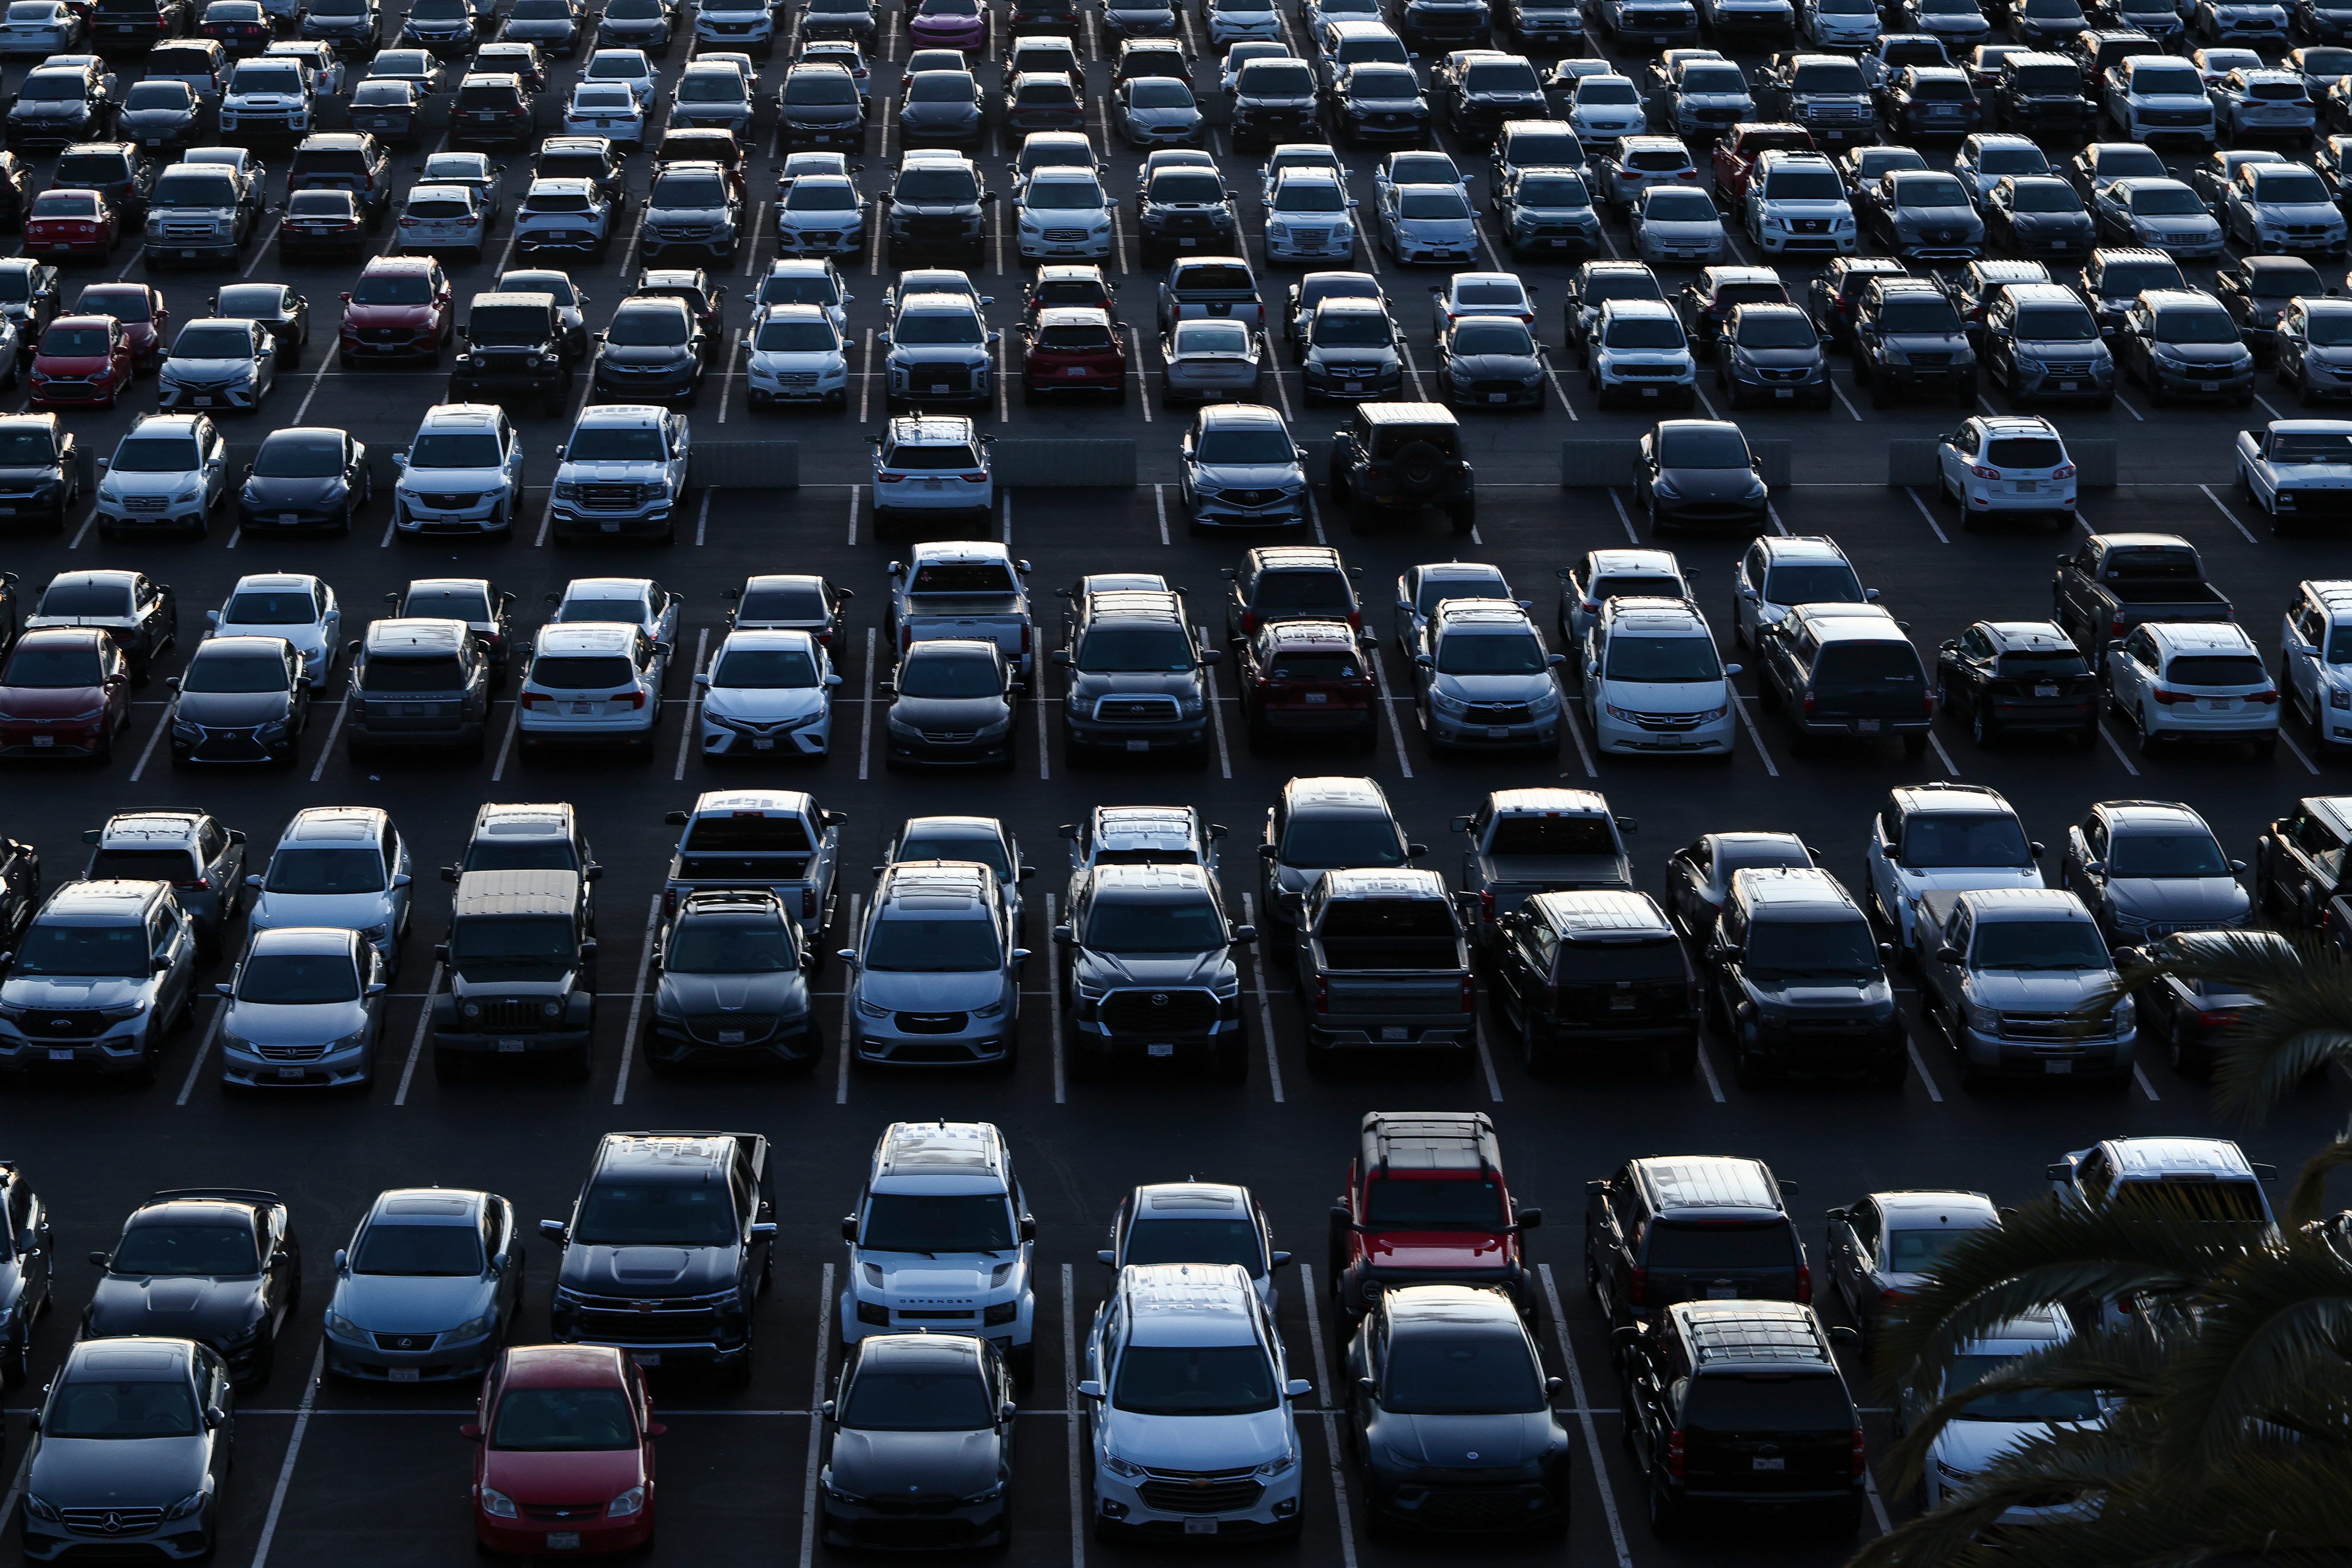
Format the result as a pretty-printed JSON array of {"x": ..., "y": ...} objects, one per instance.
[{"x": 427, "y": 1289}]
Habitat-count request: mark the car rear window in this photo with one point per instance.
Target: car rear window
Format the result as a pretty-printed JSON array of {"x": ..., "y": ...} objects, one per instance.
[
  {"x": 1867, "y": 664},
  {"x": 581, "y": 672},
  {"x": 1215, "y": 280},
  {"x": 754, "y": 834},
  {"x": 2216, "y": 670},
  {"x": 1302, "y": 593},
  {"x": 143, "y": 865},
  {"x": 443, "y": 673},
  {"x": 1314, "y": 666},
  {"x": 1769, "y": 1401},
  {"x": 1597, "y": 962},
  {"x": 1730, "y": 1245},
  {"x": 2026, "y": 452},
  {"x": 1551, "y": 836}
]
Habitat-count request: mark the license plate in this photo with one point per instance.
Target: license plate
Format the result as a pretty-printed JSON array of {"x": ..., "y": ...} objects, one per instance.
[
  {"x": 1867, "y": 726},
  {"x": 1559, "y": 244},
  {"x": 404, "y": 1374},
  {"x": 762, "y": 743},
  {"x": 1200, "y": 1526},
  {"x": 1313, "y": 698},
  {"x": 1159, "y": 1049},
  {"x": 1139, "y": 745},
  {"x": 2070, "y": 386},
  {"x": 609, "y": 527},
  {"x": 289, "y": 1072},
  {"x": 1073, "y": 370},
  {"x": 566, "y": 1539},
  {"x": 1620, "y": 1004},
  {"x": 1723, "y": 1292},
  {"x": 187, "y": 255},
  {"x": 2058, "y": 1067},
  {"x": 1649, "y": 392},
  {"x": 1187, "y": 239},
  {"x": 2219, "y": 704},
  {"x": 934, "y": 484},
  {"x": 1780, "y": 1464},
  {"x": 1393, "y": 1034},
  {"x": 1784, "y": 392},
  {"x": 2057, "y": 245},
  {"x": 2210, "y": 385},
  {"x": 203, "y": 403},
  {"x": 45, "y": 740},
  {"x": 938, "y": 389},
  {"x": 513, "y": 1046},
  {"x": 58, "y": 1055},
  {"x": 582, "y": 708},
  {"x": 2045, "y": 689},
  {"x": 1351, "y": 386},
  {"x": 2027, "y": 487},
  {"x": 1496, "y": 733},
  {"x": 646, "y": 1357},
  {"x": 288, "y": 519},
  {"x": 1498, "y": 398},
  {"x": 730, "y": 1037}
]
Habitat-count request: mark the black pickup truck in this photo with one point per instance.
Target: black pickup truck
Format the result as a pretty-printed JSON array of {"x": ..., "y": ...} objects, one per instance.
[{"x": 2111, "y": 583}]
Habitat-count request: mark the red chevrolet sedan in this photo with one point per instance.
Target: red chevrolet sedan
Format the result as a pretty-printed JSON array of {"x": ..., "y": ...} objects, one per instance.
[
  {"x": 65, "y": 692},
  {"x": 564, "y": 1453},
  {"x": 140, "y": 308},
  {"x": 81, "y": 362},
  {"x": 63, "y": 225}
]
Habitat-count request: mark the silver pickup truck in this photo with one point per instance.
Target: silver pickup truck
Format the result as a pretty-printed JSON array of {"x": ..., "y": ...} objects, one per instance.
[
  {"x": 1528, "y": 841},
  {"x": 779, "y": 839},
  {"x": 1382, "y": 965},
  {"x": 2012, "y": 977},
  {"x": 962, "y": 588}
]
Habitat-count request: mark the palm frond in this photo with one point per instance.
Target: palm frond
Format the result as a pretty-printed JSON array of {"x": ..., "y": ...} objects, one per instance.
[
  {"x": 2125, "y": 1362},
  {"x": 2307, "y": 1201},
  {"x": 2272, "y": 1335},
  {"x": 2304, "y": 1020}
]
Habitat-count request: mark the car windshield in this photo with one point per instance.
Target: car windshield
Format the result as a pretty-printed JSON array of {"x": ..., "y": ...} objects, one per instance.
[
  {"x": 904, "y": 944},
  {"x": 1283, "y": 78},
  {"x": 2060, "y": 944},
  {"x": 317, "y": 869},
  {"x": 1645, "y": 332},
  {"x": 765, "y": 669},
  {"x": 71, "y": 951},
  {"x": 1489, "y": 1374},
  {"x": 2165, "y": 201},
  {"x": 1475, "y": 337},
  {"x": 1062, "y": 195},
  {"x": 1702, "y": 79},
  {"x": 932, "y": 1224},
  {"x": 929, "y": 185},
  {"x": 231, "y": 673},
  {"x": 1919, "y": 318},
  {"x": 2311, "y": 447},
  {"x": 649, "y": 329},
  {"x": 946, "y": 843},
  {"x": 913, "y": 1401},
  {"x": 2123, "y": 279},
  {"x": 412, "y": 674},
  {"x": 1940, "y": 191},
  {"x": 156, "y": 454},
  {"x": 563, "y": 1421},
  {"x": 1778, "y": 1402},
  {"x": 54, "y": 86},
  {"x": 1213, "y": 338},
  {"x": 939, "y": 457},
  {"x": 321, "y": 203},
  {"x": 1775, "y": 330},
  {"x": 186, "y": 1251},
  {"x": 1308, "y": 196},
  {"x": 2286, "y": 282},
  {"x": 265, "y": 77},
  {"x": 942, "y": 86},
  {"x": 75, "y": 342},
  {"x": 706, "y": 946},
  {"x": 1157, "y": 925},
  {"x": 2196, "y": 325},
  {"x": 455, "y": 450},
  {"x": 1195, "y": 1380},
  {"x": 1105, "y": 649},
  {"x": 2024, "y": 1404},
  {"x": 297, "y": 979},
  {"x": 513, "y": 947},
  {"x": 1076, "y": 336},
  {"x": 1841, "y": 78},
  {"x": 412, "y": 1251},
  {"x": 699, "y": 191},
  {"x": 1350, "y": 329},
  {"x": 1942, "y": 89},
  {"x": 1515, "y": 652},
  {"x": 193, "y": 188},
  {"x": 556, "y": 202},
  {"x": 1157, "y": 94},
  {"x": 2180, "y": 80},
  {"x": 2025, "y": 452},
  {"x": 712, "y": 87},
  {"x": 1823, "y": 583},
  {"x": 656, "y": 1213},
  {"x": 1596, "y": 90},
  {"x": 1553, "y": 191},
  {"x": 819, "y": 88},
  {"x": 522, "y": 11},
  {"x": 1434, "y": 202},
  {"x": 96, "y": 1408},
  {"x": 1791, "y": 950},
  {"x": 270, "y": 608},
  {"x": 1662, "y": 660},
  {"x": 406, "y": 287},
  {"x": 2056, "y": 324},
  {"x": 931, "y": 329},
  {"x": 1215, "y": 1242},
  {"x": 2181, "y": 854},
  {"x": 1804, "y": 186},
  {"x": 1709, "y": 446},
  {"x": 945, "y": 675},
  {"x": 1943, "y": 840},
  {"x": 26, "y": 447},
  {"x": 1399, "y": 1203},
  {"x": 1331, "y": 843}
]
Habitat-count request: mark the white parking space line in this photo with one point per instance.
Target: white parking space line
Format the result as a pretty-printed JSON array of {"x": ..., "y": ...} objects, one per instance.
[
  {"x": 235, "y": 535},
  {"x": 1706, "y": 1070},
  {"x": 727, "y": 382},
  {"x": 506, "y": 747},
  {"x": 1486, "y": 1060},
  {"x": 204, "y": 1050},
  {"x": 335, "y": 729},
  {"x": 2118, "y": 751},
  {"x": 83, "y": 532},
  {"x": 2124, "y": 404},
  {"x": 1740, "y": 704},
  {"x": 293, "y": 1452},
  {"x": 162, "y": 725},
  {"x": 874, "y": 245},
  {"x": 1411, "y": 369},
  {"x": 686, "y": 731},
  {"x": 1142, "y": 383},
  {"x": 865, "y": 708},
  {"x": 1920, "y": 1066},
  {"x": 1265, "y": 1007},
  {"x": 1703, "y": 402},
  {"x": 416, "y": 1041},
  {"x": 1159, "y": 506},
  {"x": 856, "y": 503},
  {"x": 1877, "y": 1508},
  {"x": 1932, "y": 526},
  {"x": 848, "y": 1022},
  {"x": 1054, "y": 986},
  {"x": 1324, "y": 1374},
  {"x": 817, "y": 1416},
  {"x": 318, "y": 375},
  {"x": 1942, "y": 755},
  {"x": 2296, "y": 751},
  {"x": 2233, "y": 516},
  {"x": 637, "y": 1001},
  {"x": 1216, "y": 702},
  {"x": 1387, "y": 706},
  {"x": 1117, "y": 237},
  {"x": 1770, "y": 511},
  {"x": 1624, "y": 517},
  {"x": 1584, "y": 1415},
  {"x": 1315, "y": 516},
  {"x": 865, "y": 385},
  {"x": 1575, "y": 726},
  {"x": 702, "y": 514},
  {"x": 1070, "y": 1451},
  {"x": 2265, "y": 402}
]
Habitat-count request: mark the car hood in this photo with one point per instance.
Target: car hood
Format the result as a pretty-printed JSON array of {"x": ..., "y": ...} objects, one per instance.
[
  {"x": 48, "y": 701},
  {"x": 124, "y": 482},
  {"x": 418, "y": 1304},
  {"x": 1931, "y": 342},
  {"x": 554, "y": 1479},
  {"x": 950, "y": 712},
  {"x": 345, "y": 911},
  {"x": 1211, "y": 968},
  {"x": 1176, "y": 114},
  {"x": 1677, "y": 357},
  {"x": 2298, "y": 212},
  {"x": 1192, "y": 1443},
  {"x": 1436, "y": 228},
  {"x": 359, "y": 315},
  {"x": 951, "y": 1464},
  {"x": 778, "y": 363},
  {"x": 146, "y": 117},
  {"x": 550, "y": 28},
  {"x": 647, "y": 1272},
  {"x": 1667, "y": 697},
  {"x": 1712, "y": 484},
  {"x": 175, "y": 1308},
  {"x": 1827, "y": 993},
  {"x": 1481, "y": 1441},
  {"x": 937, "y": 113},
  {"x": 1781, "y": 358},
  {"x": 71, "y": 991},
  {"x": 2205, "y": 354},
  {"x": 765, "y": 704},
  {"x": 49, "y": 108},
  {"x": 1966, "y": 879},
  {"x": 1496, "y": 688},
  {"x": 2037, "y": 991},
  {"x": 2181, "y": 900},
  {"x": 2175, "y": 223},
  {"x": 113, "y": 1472},
  {"x": 2188, "y": 101},
  {"x": 1971, "y": 1445},
  {"x": 940, "y": 353},
  {"x": 1939, "y": 219},
  {"x": 819, "y": 114},
  {"x": 30, "y": 474},
  {"x": 1334, "y": 354},
  {"x": 782, "y": 993},
  {"x": 654, "y": 354},
  {"x": 1499, "y": 366},
  {"x": 232, "y": 709},
  {"x": 70, "y": 364},
  {"x": 450, "y": 481},
  {"x": 903, "y": 991},
  {"x": 292, "y": 491},
  {"x": 2031, "y": 221}
]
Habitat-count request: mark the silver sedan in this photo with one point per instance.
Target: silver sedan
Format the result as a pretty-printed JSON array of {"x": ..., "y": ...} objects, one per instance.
[
  {"x": 305, "y": 1009},
  {"x": 1881, "y": 1246},
  {"x": 1210, "y": 361},
  {"x": 428, "y": 1287}
]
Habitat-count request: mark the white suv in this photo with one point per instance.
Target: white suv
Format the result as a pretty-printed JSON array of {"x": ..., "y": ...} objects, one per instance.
[
  {"x": 462, "y": 475},
  {"x": 2195, "y": 682},
  {"x": 2014, "y": 465},
  {"x": 1797, "y": 202},
  {"x": 1064, "y": 216},
  {"x": 2315, "y": 656},
  {"x": 1189, "y": 1395},
  {"x": 1639, "y": 352},
  {"x": 592, "y": 682},
  {"x": 169, "y": 470},
  {"x": 942, "y": 1241},
  {"x": 931, "y": 464},
  {"x": 1654, "y": 682}
]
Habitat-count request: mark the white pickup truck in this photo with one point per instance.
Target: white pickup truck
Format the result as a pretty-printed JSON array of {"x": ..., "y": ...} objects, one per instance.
[
  {"x": 966, "y": 589},
  {"x": 2298, "y": 468}
]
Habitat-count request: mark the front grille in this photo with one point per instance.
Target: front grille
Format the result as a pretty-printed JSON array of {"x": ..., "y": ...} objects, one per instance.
[
  {"x": 1625, "y": 370},
  {"x": 105, "y": 1522},
  {"x": 2068, "y": 366},
  {"x": 910, "y": 1535},
  {"x": 1931, "y": 361},
  {"x": 1810, "y": 224},
  {"x": 2057, "y": 1027},
  {"x": 1201, "y": 1492},
  {"x": 798, "y": 378},
  {"x": 610, "y": 498},
  {"x": 933, "y": 230},
  {"x": 1136, "y": 711},
  {"x": 144, "y": 503},
  {"x": 1834, "y": 113},
  {"x": 561, "y": 1513},
  {"x": 510, "y": 1015},
  {"x": 1066, "y": 237},
  {"x": 1487, "y": 388},
  {"x": 2329, "y": 503},
  {"x": 386, "y": 334},
  {"x": 2307, "y": 230},
  {"x": 1666, "y": 723},
  {"x": 290, "y": 1053},
  {"x": 938, "y": 377},
  {"x": 1495, "y": 713},
  {"x": 65, "y": 1023},
  {"x": 1158, "y": 1012},
  {"x": 2173, "y": 117},
  {"x": 731, "y": 1028},
  {"x": 930, "y": 1023},
  {"x": 448, "y": 502},
  {"x": 1474, "y": 1510},
  {"x": 950, "y": 737},
  {"x": 1799, "y": 373},
  {"x": 384, "y": 1342},
  {"x": 633, "y": 1322}
]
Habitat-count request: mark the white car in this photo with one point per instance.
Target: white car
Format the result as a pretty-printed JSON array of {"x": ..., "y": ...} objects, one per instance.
[
  {"x": 218, "y": 362},
  {"x": 1637, "y": 349},
  {"x": 1294, "y": 155},
  {"x": 935, "y": 466},
  {"x": 767, "y": 691},
  {"x": 2014, "y": 466},
  {"x": 463, "y": 474},
  {"x": 1838, "y": 24},
  {"x": 1421, "y": 167},
  {"x": 797, "y": 355},
  {"x": 1230, "y": 21},
  {"x": 294, "y": 605},
  {"x": 1240, "y": 54},
  {"x": 1986, "y": 1429},
  {"x": 2159, "y": 94},
  {"x": 266, "y": 94},
  {"x": 1943, "y": 837},
  {"x": 628, "y": 68},
  {"x": 2316, "y": 655},
  {"x": 1797, "y": 202},
  {"x": 39, "y": 29},
  {"x": 1605, "y": 108},
  {"x": 1480, "y": 294},
  {"x": 1654, "y": 682},
  {"x": 169, "y": 471},
  {"x": 1677, "y": 223},
  {"x": 1606, "y": 574},
  {"x": 805, "y": 280},
  {"x": 593, "y": 683},
  {"x": 2198, "y": 682},
  {"x": 1063, "y": 213},
  {"x": 605, "y": 109},
  {"x": 329, "y": 75}
]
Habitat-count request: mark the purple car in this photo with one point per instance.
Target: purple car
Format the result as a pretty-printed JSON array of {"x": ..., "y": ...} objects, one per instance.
[{"x": 950, "y": 24}]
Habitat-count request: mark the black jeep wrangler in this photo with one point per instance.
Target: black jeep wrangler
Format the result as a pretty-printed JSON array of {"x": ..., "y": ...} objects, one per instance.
[
  {"x": 515, "y": 348},
  {"x": 1400, "y": 457}
]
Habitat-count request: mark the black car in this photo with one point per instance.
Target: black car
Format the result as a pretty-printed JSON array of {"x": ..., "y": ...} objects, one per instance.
[
  {"x": 1488, "y": 362},
  {"x": 355, "y": 28},
  {"x": 2256, "y": 291},
  {"x": 1698, "y": 874},
  {"x": 953, "y": 703},
  {"x": 652, "y": 349},
  {"x": 1123, "y": 19},
  {"x": 235, "y": 690},
  {"x": 1185, "y": 208},
  {"x": 2043, "y": 93},
  {"x": 1376, "y": 102},
  {"x": 1450, "y": 1415},
  {"x": 514, "y": 349},
  {"x": 1907, "y": 337},
  {"x": 134, "y": 26},
  {"x": 2016, "y": 678},
  {"x": 388, "y": 110},
  {"x": 1477, "y": 90},
  {"x": 304, "y": 477},
  {"x": 820, "y": 106},
  {"x": 57, "y": 105},
  {"x": 277, "y": 306},
  {"x": 2046, "y": 24},
  {"x": 553, "y": 26},
  {"x": 942, "y": 107},
  {"x": 1680, "y": 1228},
  {"x": 40, "y": 465},
  {"x": 648, "y": 24},
  {"x": 1700, "y": 472},
  {"x": 1740, "y": 1405},
  {"x": 2037, "y": 216},
  {"x": 1274, "y": 100},
  {"x": 1795, "y": 976},
  {"x": 225, "y": 1259},
  {"x": 1770, "y": 354},
  {"x": 130, "y": 1453},
  {"x": 445, "y": 28},
  {"x": 921, "y": 1416},
  {"x": 590, "y": 158},
  {"x": 1597, "y": 973},
  {"x": 28, "y": 1262},
  {"x": 937, "y": 203},
  {"x": 158, "y": 116}
]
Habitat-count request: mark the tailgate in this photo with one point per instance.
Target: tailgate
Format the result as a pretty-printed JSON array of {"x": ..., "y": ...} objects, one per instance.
[
  {"x": 1399, "y": 994},
  {"x": 1007, "y": 632}
]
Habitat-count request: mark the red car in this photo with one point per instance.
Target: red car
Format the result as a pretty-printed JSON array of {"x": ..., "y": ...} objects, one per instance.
[
  {"x": 140, "y": 308},
  {"x": 564, "y": 1452},
  {"x": 63, "y": 225},
  {"x": 65, "y": 692},
  {"x": 400, "y": 309},
  {"x": 1439, "y": 1212},
  {"x": 240, "y": 26},
  {"x": 1308, "y": 678},
  {"x": 82, "y": 360},
  {"x": 1072, "y": 349}
]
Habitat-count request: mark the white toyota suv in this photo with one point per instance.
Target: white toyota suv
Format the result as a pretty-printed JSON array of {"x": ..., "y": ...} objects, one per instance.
[
  {"x": 1796, "y": 202},
  {"x": 1189, "y": 1395},
  {"x": 942, "y": 1241}
]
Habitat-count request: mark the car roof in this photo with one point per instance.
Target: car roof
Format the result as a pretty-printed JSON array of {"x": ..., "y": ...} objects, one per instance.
[
  {"x": 1777, "y": 1334},
  {"x": 1329, "y": 794},
  {"x": 1601, "y": 912},
  {"x": 923, "y": 1155},
  {"x": 2148, "y": 1158},
  {"x": 1714, "y": 1182},
  {"x": 1653, "y": 613},
  {"x": 1995, "y": 905},
  {"x": 1787, "y": 888},
  {"x": 1189, "y": 1304},
  {"x": 586, "y": 637},
  {"x": 1974, "y": 1209},
  {"x": 1190, "y": 1200},
  {"x": 562, "y": 1366},
  {"x": 2184, "y": 637},
  {"x": 313, "y": 939}
]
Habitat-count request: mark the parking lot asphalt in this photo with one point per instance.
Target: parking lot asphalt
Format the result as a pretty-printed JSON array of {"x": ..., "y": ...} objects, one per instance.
[{"x": 376, "y": 1478}]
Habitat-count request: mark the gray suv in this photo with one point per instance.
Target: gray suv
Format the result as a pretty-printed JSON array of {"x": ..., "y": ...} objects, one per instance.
[
  {"x": 935, "y": 976},
  {"x": 1350, "y": 351},
  {"x": 1151, "y": 971},
  {"x": 733, "y": 985},
  {"x": 1137, "y": 679},
  {"x": 1484, "y": 678},
  {"x": 202, "y": 858},
  {"x": 417, "y": 682},
  {"x": 1239, "y": 468},
  {"x": 103, "y": 975},
  {"x": 522, "y": 973}
]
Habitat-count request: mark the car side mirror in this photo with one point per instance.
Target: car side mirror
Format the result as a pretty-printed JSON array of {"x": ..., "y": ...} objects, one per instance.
[
  {"x": 1528, "y": 1219},
  {"x": 1948, "y": 953},
  {"x": 471, "y": 1431},
  {"x": 1028, "y": 1227},
  {"x": 554, "y": 1230},
  {"x": 1842, "y": 1335},
  {"x": 1090, "y": 1389},
  {"x": 1298, "y": 1388},
  {"x": 849, "y": 1228},
  {"x": 1244, "y": 935}
]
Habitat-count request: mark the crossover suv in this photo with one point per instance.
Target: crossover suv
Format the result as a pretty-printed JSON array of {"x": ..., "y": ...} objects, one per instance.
[
  {"x": 733, "y": 986},
  {"x": 428, "y": 1289},
  {"x": 1239, "y": 468},
  {"x": 938, "y": 201},
  {"x": 2042, "y": 343},
  {"x": 1881, "y": 1247},
  {"x": 934, "y": 466},
  {"x": 102, "y": 975},
  {"x": 1349, "y": 348},
  {"x": 463, "y": 473},
  {"x": 1483, "y": 679},
  {"x": 170, "y": 471},
  {"x": 593, "y": 683},
  {"x": 1594, "y": 973},
  {"x": 1151, "y": 974},
  {"x": 344, "y": 867},
  {"x": 2147, "y": 868},
  {"x": 2022, "y": 676},
  {"x": 1669, "y": 1229},
  {"x": 1652, "y": 682},
  {"x": 1907, "y": 337},
  {"x": 1797, "y": 202},
  {"x": 1772, "y": 354},
  {"x": 1436, "y": 1176},
  {"x": 2180, "y": 342},
  {"x": 1402, "y": 456},
  {"x": 240, "y": 699},
  {"x": 691, "y": 207},
  {"x": 420, "y": 682},
  {"x": 1637, "y": 352},
  {"x": 1319, "y": 824},
  {"x": 202, "y": 858},
  {"x": 939, "y": 351},
  {"x": 936, "y": 973},
  {"x": 2193, "y": 684}
]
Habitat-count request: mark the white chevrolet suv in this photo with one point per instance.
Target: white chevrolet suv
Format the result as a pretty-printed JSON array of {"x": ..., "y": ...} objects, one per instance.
[
  {"x": 1190, "y": 1397},
  {"x": 942, "y": 1241}
]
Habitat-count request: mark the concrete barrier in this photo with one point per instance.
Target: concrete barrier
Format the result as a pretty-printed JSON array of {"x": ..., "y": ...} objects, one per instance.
[
  {"x": 1063, "y": 464},
  {"x": 1773, "y": 461},
  {"x": 746, "y": 464},
  {"x": 1911, "y": 462},
  {"x": 1587, "y": 464},
  {"x": 2095, "y": 464}
]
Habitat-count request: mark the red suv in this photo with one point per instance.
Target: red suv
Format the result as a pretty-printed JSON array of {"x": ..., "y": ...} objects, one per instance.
[
  {"x": 400, "y": 309},
  {"x": 82, "y": 360},
  {"x": 565, "y": 1459},
  {"x": 65, "y": 692},
  {"x": 1426, "y": 1205},
  {"x": 1308, "y": 678},
  {"x": 1072, "y": 350},
  {"x": 63, "y": 225},
  {"x": 140, "y": 308}
]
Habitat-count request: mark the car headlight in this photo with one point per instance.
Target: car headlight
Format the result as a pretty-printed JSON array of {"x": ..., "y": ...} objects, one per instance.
[
  {"x": 128, "y": 1010},
  {"x": 627, "y": 1505},
  {"x": 1445, "y": 704},
  {"x": 187, "y": 1505},
  {"x": 868, "y": 1010},
  {"x": 338, "y": 1324},
  {"x": 1894, "y": 354},
  {"x": 1984, "y": 1020},
  {"x": 991, "y": 1495},
  {"x": 39, "y": 1507},
  {"x": 497, "y": 1505},
  {"x": 376, "y": 932},
  {"x": 2029, "y": 365},
  {"x": 566, "y": 1298},
  {"x": 183, "y": 730},
  {"x": 1952, "y": 1475},
  {"x": 1280, "y": 1465},
  {"x": 1117, "y": 1466},
  {"x": 2126, "y": 1014},
  {"x": 1544, "y": 701}
]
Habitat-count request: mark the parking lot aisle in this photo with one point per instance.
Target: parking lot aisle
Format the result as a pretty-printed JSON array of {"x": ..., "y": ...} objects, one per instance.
[
  {"x": 1265, "y": 1007},
  {"x": 416, "y": 1040},
  {"x": 817, "y": 1380},
  {"x": 1584, "y": 1415},
  {"x": 844, "y": 1047},
  {"x": 1325, "y": 1371},
  {"x": 637, "y": 1000}
]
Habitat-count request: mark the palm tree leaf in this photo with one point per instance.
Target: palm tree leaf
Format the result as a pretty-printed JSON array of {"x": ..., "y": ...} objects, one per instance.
[
  {"x": 2304, "y": 1019},
  {"x": 2272, "y": 1336},
  {"x": 2127, "y": 1362},
  {"x": 2308, "y": 1200}
]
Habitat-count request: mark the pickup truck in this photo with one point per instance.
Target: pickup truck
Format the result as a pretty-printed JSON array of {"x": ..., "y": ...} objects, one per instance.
[
  {"x": 2012, "y": 979},
  {"x": 1382, "y": 965},
  {"x": 1735, "y": 156},
  {"x": 1528, "y": 841},
  {"x": 962, "y": 588},
  {"x": 2296, "y": 469},
  {"x": 779, "y": 839},
  {"x": 2111, "y": 583},
  {"x": 1827, "y": 94}
]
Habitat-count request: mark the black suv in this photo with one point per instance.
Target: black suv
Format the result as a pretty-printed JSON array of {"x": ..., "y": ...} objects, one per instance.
[
  {"x": 1740, "y": 1405},
  {"x": 2299, "y": 861},
  {"x": 706, "y": 1199},
  {"x": 117, "y": 171},
  {"x": 1688, "y": 1228},
  {"x": 522, "y": 973},
  {"x": 1136, "y": 680},
  {"x": 530, "y": 837},
  {"x": 2041, "y": 93},
  {"x": 1400, "y": 457},
  {"x": 1594, "y": 972},
  {"x": 1274, "y": 101},
  {"x": 939, "y": 201},
  {"x": 1797, "y": 978},
  {"x": 1290, "y": 582},
  {"x": 350, "y": 161},
  {"x": 1434, "y": 26},
  {"x": 40, "y": 462},
  {"x": 514, "y": 348},
  {"x": 1186, "y": 207},
  {"x": 1474, "y": 91},
  {"x": 1907, "y": 337},
  {"x": 233, "y": 1249}
]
